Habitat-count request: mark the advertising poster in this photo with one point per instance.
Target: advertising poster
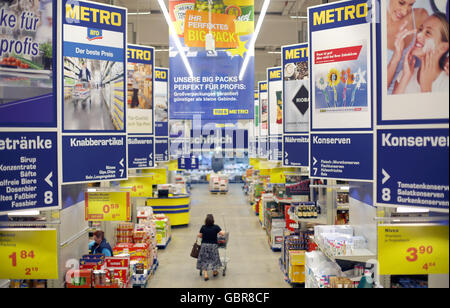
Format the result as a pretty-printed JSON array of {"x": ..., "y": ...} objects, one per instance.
[
  {"x": 263, "y": 147},
  {"x": 275, "y": 96},
  {"x": 341, "y": 65},
  {"x": 341, "y": 57},
  {"x": 295, "y": 70},
  {"x": 161, "y": 102},
  {"x": 140, "y": 102},
  {"x": 27, "y": 63},
  {"x": 161, "y": 149},
  {"x": 413, "y": 64},
  {"x": 214, "y": 91},
  {"x": 263, "y": 109},
  {"x": 275, "y": 148},
  {"x": 94, "y": 86}
]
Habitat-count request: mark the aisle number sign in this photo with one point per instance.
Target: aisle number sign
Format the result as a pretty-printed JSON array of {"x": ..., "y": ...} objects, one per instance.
[
  {"x": 107, "y": 206},
  {"x": 413, "y": 250},
  {"x": 28, "y": 254}
]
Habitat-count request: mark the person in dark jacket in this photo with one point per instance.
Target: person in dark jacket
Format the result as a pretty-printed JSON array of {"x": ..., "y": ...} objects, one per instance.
[
  {"x": 100, "y": 245},
  {"x": 208, "y": 258},
  {"x": 84, "y": 74}
]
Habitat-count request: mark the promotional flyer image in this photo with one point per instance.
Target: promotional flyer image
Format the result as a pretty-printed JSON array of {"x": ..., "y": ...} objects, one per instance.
[
  {"x": 263, "y": 109},
  {"x": 161, "y": 102},
  {"x": 295, "y": 68},
  {"x": 414, "y": 62},
  {"x": 275, "y": 94},
  {"x": 26, "y": 63},
  {"x": 215, "y": 90},
  {"x": 94, "y": 70},
  {"x": 140, "y": 90},
  {"x": 341, "y": 53}
]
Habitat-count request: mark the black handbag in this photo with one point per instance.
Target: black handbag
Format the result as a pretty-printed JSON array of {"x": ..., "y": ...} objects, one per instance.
[{"x": 195, "y": 250}]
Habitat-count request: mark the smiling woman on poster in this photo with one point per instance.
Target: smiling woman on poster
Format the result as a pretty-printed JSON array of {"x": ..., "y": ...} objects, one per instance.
[
  {"x": 431, "y": 48},
  {"x": 403, "y": 20}
]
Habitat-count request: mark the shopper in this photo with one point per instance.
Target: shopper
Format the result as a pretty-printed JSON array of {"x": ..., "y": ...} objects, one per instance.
[
  {"x": 136, "y": 80},
  {"x": 431, "y": 48},
  {"x": 100, "y": 245},
  {"x": 85, "y": 74},
  {"x": 209, "y": 258}
]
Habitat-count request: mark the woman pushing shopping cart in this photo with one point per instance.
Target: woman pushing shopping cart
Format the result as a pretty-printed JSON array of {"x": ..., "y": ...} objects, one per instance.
[{"x": 213, "y": 238}]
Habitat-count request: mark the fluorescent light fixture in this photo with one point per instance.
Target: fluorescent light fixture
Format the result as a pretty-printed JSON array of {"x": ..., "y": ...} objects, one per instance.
[
  {"x": 298, "y": 17},
  {"x": 25, "y": 213},
  {"x": 161, "y": 50},
  {"x": 274, "y": 52},
  {"x": 406, "y": 209},
  {"x": 139, "y": 13},
  {"x": 254, "y": 37},
  {"x": 91, "y": 190},
  {"x": 173, "y": 32}
]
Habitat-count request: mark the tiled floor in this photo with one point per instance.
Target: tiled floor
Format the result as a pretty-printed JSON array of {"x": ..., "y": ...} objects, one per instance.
[{"x": 252, "y": 263}]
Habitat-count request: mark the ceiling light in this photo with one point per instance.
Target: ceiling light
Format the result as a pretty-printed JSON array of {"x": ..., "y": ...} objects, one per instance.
[
  {"x": 298, "y": 17},
  {"x": 274, "y": 52},
  {"x": 405, "y": 209},
  {"x": 253, "y": 39},
  {"x": 161, "y": 50},
  {"x": 173, "y": 32},
  {"x": 139, "y": 13}
]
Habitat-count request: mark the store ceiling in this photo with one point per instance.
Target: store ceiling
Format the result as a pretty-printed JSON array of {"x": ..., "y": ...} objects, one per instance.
[{"x": 279, "y": 28}]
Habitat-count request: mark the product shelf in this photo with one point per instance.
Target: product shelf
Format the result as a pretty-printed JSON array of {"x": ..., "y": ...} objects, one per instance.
[{"x": 359, "y": 255}]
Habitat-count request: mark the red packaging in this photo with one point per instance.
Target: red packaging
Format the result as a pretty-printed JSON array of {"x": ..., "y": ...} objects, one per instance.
[{"x": 117, "y": 262}]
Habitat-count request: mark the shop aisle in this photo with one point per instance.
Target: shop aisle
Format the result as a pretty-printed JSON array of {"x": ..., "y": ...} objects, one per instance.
[
  {"x": 94, "y": 116},
  {"x": 252, "y": 263}
]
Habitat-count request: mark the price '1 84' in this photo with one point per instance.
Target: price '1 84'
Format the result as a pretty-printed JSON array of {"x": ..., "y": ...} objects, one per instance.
[{"x": 23, "y": 255}]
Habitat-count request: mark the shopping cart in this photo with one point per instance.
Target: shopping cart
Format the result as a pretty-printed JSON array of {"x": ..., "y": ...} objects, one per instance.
[{"x": 81, "y": 94}]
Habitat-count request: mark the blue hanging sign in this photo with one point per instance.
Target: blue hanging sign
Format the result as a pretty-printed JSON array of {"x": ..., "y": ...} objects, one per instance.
[
  {"x": 275, "y": 148},
  {"x": 141, "y": 152},
  {"x": 342, "y": 156},
  {"x": 29, "y": 171},
  {"x": 296, "y": 150},
  {"x": 413, "y": 168},
  {"x": 161, "y": 149}
]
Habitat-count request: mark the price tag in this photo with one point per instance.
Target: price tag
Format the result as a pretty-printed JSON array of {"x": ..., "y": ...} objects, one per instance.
[
  {"x": 28, "y": 254},
  {"x": 107, "y": 206},
  {"x": 413, "y": 250},
  {"x": 140, "y": 186}
]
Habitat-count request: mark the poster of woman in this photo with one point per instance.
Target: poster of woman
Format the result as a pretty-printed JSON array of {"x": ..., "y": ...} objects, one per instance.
[{"x": 415, "y": 56}]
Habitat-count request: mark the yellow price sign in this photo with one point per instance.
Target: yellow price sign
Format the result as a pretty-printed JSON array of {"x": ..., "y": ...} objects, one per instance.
[
  {"x": 107, "y": 206},
  {"x": 413, "y": 250},
  {"x": 140, "y": 186},
  {"x": 28, "y": 254}
]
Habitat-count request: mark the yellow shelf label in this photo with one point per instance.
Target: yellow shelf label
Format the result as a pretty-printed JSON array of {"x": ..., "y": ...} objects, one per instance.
[
  {"x": 413, "y": 250},
  {"x": 28, "y": 254},
  {"x": 107, "y": 206}
]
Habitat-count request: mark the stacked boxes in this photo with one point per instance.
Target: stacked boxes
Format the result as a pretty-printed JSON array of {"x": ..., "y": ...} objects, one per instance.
[{"x": 297, "y": 266}]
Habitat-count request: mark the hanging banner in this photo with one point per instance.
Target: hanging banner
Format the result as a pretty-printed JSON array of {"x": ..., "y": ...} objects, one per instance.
[
  {"x": 28, "y": 254},
  {"x": 295, "y": 69},
  {"x": 341, "y": 59},
  {"x": 413, "y": 250},
  {"x": 161, "y": 150},
  {"x": 425, "y": 185},
  {"x": 295, "y": 150},
  {"x": 275, "y": 96},
  {"x": 263, "y": 109},
  {"x": 263, "y": 147},
  {"x": 94, "y": 57},
  {"x": 161, "y": 102},
  {"x": 188, "y": 163},
  {"x": 141, "y": 152},
  {"x": 140, "y": 102},
  {"x": 107, "y": 206},
  {"x": 28, "y": 64},
  {"x": 28, "y": 159},
  {"x": 214, "y": 90},
  {"x": 29, "y": 171},
  {"x": 256, "y": 121}
]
